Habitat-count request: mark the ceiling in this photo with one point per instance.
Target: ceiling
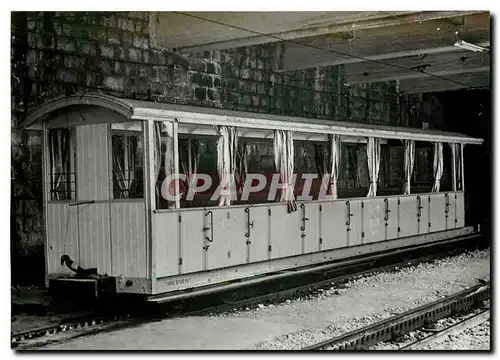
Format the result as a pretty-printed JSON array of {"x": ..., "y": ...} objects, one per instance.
[{"x": 416, "y": 48}]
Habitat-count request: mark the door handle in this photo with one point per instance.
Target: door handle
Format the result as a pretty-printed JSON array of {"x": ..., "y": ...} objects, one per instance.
[
  {"x": 419, "y": 207},
  {"x": 76, "y": 203},
  {"x": 349, "y": 214},
  {"x": 304, "y": 218},
  {"x": 211, "y": 227},
  {"x": 387, "y": 211},
  {"x": 249, "y": 224}
]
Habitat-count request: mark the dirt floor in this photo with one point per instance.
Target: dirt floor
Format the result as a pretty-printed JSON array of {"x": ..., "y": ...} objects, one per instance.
[{"x": 298, "y": 323}]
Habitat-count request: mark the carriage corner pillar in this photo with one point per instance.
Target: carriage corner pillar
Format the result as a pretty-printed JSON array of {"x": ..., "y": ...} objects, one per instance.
[{"x": 150, "y": 194}]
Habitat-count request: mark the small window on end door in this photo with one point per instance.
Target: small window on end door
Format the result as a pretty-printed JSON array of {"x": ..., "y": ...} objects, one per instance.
[
  {"x": 61, "y": 164},
  {"x": 128, "y": 164}
]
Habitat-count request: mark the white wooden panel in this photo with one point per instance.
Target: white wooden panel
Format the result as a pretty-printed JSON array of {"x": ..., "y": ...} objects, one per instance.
[
  {"x": 310, "y": 241},
  {"x": 259, "y": 234},
  {"x": 460, "y": 210},
  {"x": 192, "y": 241},
  {"x": 408, "y": 225},
  {"x": 391, "y": 229},
  {"x": 423, "y": 219},
  {"x": 285, "y": 232},
  {"x": 450, "y": 211},
  {"x": 128, "y": 239},
  {"x": 94, "y": 237},
  {"x": 166, "y": 242},
  {"x": 437, "y": 208},
  {"x": 333, "y": 227},
  {"x": 92, "y": 162},
  {"x": 355, "y": 226},
  {"x": 62, "y": 236},
  {"x": 373, "y": 220},
  {"x": 228, "y": 246}
]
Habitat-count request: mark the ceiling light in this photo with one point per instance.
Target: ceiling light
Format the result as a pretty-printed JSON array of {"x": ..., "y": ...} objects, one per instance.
[{"x": 468, "y": 46}]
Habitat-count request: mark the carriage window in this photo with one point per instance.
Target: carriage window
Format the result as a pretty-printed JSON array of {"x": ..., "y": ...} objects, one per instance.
[
  {"x": 423, "y": 174},
  {"x": 256, "y": 156},
  {"x": 62, "y": 164},
  {"x": 309, "y": 159},
  {"x": 128, "y": 164},
  {"x": 198, "y": 155}
]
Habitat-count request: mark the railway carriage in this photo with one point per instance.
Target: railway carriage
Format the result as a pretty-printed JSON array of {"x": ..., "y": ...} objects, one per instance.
[{"x": 162, "y": 199}]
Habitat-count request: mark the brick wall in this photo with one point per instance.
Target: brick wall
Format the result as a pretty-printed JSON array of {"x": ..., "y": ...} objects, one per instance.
[{"x": 60, "y": 53}]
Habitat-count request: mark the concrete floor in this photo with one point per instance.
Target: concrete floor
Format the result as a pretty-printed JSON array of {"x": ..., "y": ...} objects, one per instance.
[{"x": 380, "y": 294}]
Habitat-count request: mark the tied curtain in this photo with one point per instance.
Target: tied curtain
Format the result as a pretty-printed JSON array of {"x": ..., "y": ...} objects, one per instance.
[
  {"x": 334, "y": 167},
  {"x": 438, "y": 166},
  {"x": 227, "y": 146},
  {"x": 373, "y": 155},
  {"x": 409, "y": 162},
  {"x": 119, "y": 166},
  {"x": 163, "y": 159},
  {"x": 241, "y": 165},
  {"x": 283, "y": 160},
  {"x": 328, "y": 162},
  {"x": 59, "y": 140},
  {"x": 457, "y": 155},
  {"x": 189, "y": 156}
]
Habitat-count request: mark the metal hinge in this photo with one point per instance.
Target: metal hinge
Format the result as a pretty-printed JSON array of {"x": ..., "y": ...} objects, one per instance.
[
  {"x": 320, "y": 241},
  {"x": 180, "y": 218},
  {"x": 399, "y": 201},
  {"x": 399, "y": 229},
  {"x": 320, "y": 208},
  {"x": 180, "y": 261},
  {"x": 269, "y": 212},
  {"x": 363, "y": 234},
  {"x": 429, "y": 224},
  {"x": 269, "y": 249},
  {"x": 362, "y": 205}
]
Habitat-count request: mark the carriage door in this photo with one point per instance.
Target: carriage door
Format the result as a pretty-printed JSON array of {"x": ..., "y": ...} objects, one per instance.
[{"x": 92, "y": 197}]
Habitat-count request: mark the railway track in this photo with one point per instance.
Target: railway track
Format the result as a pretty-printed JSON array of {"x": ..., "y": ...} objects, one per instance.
[
  {"x": 421, "y": 317},
  {"x": 220, "y": 302}
]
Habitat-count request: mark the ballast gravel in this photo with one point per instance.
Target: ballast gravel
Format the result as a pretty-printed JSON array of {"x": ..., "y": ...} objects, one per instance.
[
  {"x": 298, "y": 322},
  {"x": 368, "y": 299}
]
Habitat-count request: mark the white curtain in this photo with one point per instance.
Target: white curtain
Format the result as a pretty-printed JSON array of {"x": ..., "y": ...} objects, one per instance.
[
  {"x": 226, "y": 162},
  {"x": 334, "y": 145},
  {"x": 373, "y": 154},
  {"x": 59, "y": 141},
  {"x": 283, "y": 159},
  {"x": 409, "y": 162},
  {"x": 456, "y": 148},
  {"x": 438, "y": 166}
]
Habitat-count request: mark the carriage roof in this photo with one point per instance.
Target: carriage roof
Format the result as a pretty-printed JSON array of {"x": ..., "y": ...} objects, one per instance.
[{"x": 203, "y": 116}]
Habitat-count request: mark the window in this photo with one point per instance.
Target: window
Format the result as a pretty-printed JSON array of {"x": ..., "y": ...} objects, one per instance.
[
  {"x": 257, "y": 158},
  {"x": 198, "y": 155},
  {"x": 307, "y": 154},
  {"x": 62, "y": 164},
  {"x": 128, "y": 164},
  {"x": 423, "y": 173}
]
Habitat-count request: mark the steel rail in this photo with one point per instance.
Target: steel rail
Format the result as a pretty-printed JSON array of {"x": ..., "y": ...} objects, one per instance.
[
  {"x": 389, "y": 329},
  {"x": 470, "y": 322},
  {"x": 350, "y": 269}
]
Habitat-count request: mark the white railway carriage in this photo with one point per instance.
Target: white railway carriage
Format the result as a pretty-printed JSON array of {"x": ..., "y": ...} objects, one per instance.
[{"x": 106, "y": 159}]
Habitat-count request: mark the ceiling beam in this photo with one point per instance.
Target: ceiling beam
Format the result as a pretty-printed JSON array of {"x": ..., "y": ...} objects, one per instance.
[
  {"x": 385, "y": 43},
  {"x": 394, "y": 55},
  {"x": 389, "y": 20},
  {"x": 367, "y": 72},
  {"x": 426, "y": 85},
  {"x": 418, "y": 75}
]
